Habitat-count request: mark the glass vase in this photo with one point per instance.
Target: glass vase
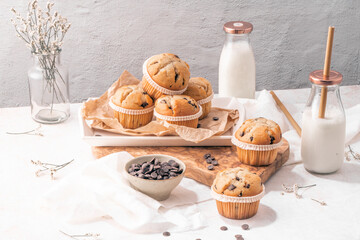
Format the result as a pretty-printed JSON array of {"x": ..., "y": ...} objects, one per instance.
[{"x": 49, "y": 89}]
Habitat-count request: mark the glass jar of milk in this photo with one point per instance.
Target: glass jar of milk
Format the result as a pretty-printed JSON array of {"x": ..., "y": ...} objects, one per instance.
[
  {"x": 323, "y": 139},
  {"x": 237, "y": 62}
]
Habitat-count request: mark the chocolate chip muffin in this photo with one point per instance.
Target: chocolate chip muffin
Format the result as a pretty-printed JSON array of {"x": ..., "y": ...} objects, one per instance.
[
  {"x": 237, "y": 182},
  {"x": 257, "y": 141},
  {"x": 259, "y": 131},
  {"x": 132, "y": 106},
  {"x": 165, "y": 74},
  {"x": 237, "y": 192},
  {"x": 201, "y": 90},
  {"x": 178, "y": 109}
]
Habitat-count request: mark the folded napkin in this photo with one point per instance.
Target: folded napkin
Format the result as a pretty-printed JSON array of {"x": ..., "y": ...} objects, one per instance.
[{"x": 99, "y": 189}]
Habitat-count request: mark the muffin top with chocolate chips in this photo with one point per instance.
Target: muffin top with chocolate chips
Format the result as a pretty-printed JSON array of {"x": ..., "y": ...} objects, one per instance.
[
  {"x": 169, "y": 71},
  {"x": 198, "y": 88},
  {"x": 237, "y": 182},
  {"x": 132, "y": 97},
  {"x": 259, "y": 131},
  {"x": 176, "y": 105}
]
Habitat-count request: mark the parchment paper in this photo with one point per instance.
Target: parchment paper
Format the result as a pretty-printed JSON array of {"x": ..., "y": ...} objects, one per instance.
[{"x": 99, "y": 115}]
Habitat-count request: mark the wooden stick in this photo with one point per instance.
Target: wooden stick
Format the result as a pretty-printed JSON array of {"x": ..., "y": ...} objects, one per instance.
[
  {"x": 286, "y": 113},
  {"x": 326, "y": 72}
]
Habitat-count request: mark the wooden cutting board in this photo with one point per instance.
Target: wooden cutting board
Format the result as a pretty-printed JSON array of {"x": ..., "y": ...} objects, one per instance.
[{"x": 196, "y": 166}]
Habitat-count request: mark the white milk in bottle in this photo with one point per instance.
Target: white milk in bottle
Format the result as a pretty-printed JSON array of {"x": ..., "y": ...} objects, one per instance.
[
  {"x": 237, "y": 62},
  {"x": 323, "y": 139}
]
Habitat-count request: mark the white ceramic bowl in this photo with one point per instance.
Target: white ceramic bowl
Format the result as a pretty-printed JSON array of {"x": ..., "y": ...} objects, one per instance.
[{"x": 157, "y": 189}]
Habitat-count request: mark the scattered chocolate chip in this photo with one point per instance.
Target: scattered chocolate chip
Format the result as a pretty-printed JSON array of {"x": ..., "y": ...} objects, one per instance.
[
  {"x": 170, "y": 107},
  {"x": 239, "y": 237},
  {"x": 245, "y": 227},
  {"x": 183, "y": 83},
  {"x": 207, "y": 155},
  {"x": 170, "y": 85},
  {"x": 199, "y": 125},
  {"x": 237, "y": 179},
  {"x": 144, "y": 104},
  {"x": 223, "y": 228},
  {"x": 215, "y": 163},
  {"x": 176, "y": 76},
  {"x": 211, "y": 167},
  {"x": 166, "y": 234},
  {"x": 242, "y": 134},
  {"x": 272, "y": 139},
  {"x": 231, "y": 187},
  {"x": 215, "y": 118},
  {"x": 248, "y": 186},
  {"x": 208, "y": 161},
  {"x": 145, "y": 93},
  {"x": 176, "y": 56},
  {"x": 240, "y": 195},
  {"x": 251, "y": 138}
]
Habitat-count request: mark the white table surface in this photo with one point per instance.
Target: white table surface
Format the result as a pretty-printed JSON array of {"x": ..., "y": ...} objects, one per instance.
[{"x": 279, "y": 216}]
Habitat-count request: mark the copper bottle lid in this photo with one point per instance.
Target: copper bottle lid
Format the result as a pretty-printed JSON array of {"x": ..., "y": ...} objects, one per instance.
[
  {"x": 238, "y": 27},
  {"x": 318, "y": 78}
]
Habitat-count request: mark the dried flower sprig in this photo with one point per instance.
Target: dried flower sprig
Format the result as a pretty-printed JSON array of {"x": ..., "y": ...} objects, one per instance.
[
  {"x": 294, "y": 189},
  {"x": 322, "y": 203},
  {"x": 43, "y": 33},
  {"x": 35, "y": 131},
  {"x": 351, "y": 154},
  {"x": 49, "y": 168},
  {"x": 92, "y": 236}
]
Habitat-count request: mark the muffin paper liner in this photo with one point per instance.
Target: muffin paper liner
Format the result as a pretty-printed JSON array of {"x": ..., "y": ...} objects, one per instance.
[
  {"x": 179, "y": 118},
  {"x": 225, "y": 198},
  {"x": 206, "y": 100},
  {"x": 248, "y": 146},
  {"x": 157, "y": 86},
  {"x": 130, "y": 111}
]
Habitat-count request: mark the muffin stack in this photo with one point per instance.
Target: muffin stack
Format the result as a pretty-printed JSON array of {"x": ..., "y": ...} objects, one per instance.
[{"x": 166, "y": 91}]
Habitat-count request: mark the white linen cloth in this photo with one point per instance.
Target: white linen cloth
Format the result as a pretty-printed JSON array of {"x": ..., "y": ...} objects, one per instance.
[{"x": 99, "y": 189}]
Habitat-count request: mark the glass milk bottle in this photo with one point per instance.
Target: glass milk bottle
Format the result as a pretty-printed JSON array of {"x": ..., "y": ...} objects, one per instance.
[
  {"x": 237, "y": 62},
  {"x": 323, "y": 139}
]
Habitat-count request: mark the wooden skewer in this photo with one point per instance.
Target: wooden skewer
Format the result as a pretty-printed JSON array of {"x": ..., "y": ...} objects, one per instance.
[
  {"x": 287, "y": 114},
  {"x": 326, "y": 72}
]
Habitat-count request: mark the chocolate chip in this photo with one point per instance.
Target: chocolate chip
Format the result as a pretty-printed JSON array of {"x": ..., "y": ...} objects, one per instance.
[
  {"x": 272, "y": 139},
  {"x": 248, "y": 186},
  {"x": 166, "y": 234},
  {"x": 199, "y": 125},
  {"x": 242, "y": 134},
  {"x": 207, "y": 155},
  {"x": 183, "y": 83},
  {"x": 237, "y": 179},
  {"x": 208, "y": 161},
  {"x": 215, "y": 118},
  {"x": 170, "y": 107},
  {"x": 176, "y": 76},
  {"x": 240, "y": 195},
  {"x": 251, "y": 138},
  {"x": 239, "y": 237},
  {"x": 223, "y": 228},
  {"x": 245, "y": 227},
  {"x": 215, "y": 163},
  {"x": 231, "y": 187},
  {"x": 176, "y": 56},
  {"x": 211, "y": 167},
  {"x": 189, "y": 102}
]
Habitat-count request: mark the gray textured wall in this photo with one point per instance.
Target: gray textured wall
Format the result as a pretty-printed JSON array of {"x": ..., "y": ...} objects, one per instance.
[{"x": 108, "y": 36}]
